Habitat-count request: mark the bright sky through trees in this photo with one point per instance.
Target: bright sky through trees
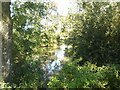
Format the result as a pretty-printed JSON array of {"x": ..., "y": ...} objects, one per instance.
[{"x": 63, "y": 6}]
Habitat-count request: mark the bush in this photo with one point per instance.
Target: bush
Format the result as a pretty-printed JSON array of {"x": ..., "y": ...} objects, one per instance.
[{"x": 87, "y": 76}]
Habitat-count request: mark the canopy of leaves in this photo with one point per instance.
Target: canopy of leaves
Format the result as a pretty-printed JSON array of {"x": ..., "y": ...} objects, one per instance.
[
  {"x": 95, "y": 34},
  {"x": 28, "y": 35}
]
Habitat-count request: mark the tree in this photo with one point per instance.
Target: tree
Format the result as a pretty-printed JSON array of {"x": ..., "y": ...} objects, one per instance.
[
  {"x": 5, "y": 39},
  {"x": 95, "y": 33},
  {"x": 94, "y": 38},
  {"x": 28, "y": 37}
]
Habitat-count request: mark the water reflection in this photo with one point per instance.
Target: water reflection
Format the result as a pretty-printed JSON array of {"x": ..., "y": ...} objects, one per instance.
[{"x": 55, "y": 65}]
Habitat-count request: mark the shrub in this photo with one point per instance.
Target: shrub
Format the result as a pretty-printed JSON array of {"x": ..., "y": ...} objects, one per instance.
[{"x": 86, "y": 76}]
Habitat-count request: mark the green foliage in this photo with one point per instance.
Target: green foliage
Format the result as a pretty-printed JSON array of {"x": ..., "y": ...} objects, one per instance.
[
  {"x": 95, "y": 33},
  {"x": 94, "y": 36},
  {"x": 27, "y": 38},
  {"x": 88, "y": 76},
  {"x": 95, "y": 48}
]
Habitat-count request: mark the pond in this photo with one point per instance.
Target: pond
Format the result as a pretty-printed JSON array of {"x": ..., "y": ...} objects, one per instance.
[{"x": 55, "y": 60}]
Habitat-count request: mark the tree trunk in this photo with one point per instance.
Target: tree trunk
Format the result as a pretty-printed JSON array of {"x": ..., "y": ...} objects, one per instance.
[{"x": 5, "y": 39}]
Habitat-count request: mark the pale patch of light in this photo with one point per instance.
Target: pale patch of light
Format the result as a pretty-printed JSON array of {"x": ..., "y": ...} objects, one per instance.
[
  {"x": 46, "y": 22},
  {"x": 63, "y": 47},
  {"x": 64, "y": 6}
]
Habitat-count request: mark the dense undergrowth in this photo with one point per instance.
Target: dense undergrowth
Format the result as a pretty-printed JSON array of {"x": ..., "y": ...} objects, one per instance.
[{"x": 87, "y": 76}]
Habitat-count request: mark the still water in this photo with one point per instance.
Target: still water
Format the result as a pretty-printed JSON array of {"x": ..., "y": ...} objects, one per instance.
[
  {"x": 56, "y": 64},
  {"x": 52, "y": 59}
]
